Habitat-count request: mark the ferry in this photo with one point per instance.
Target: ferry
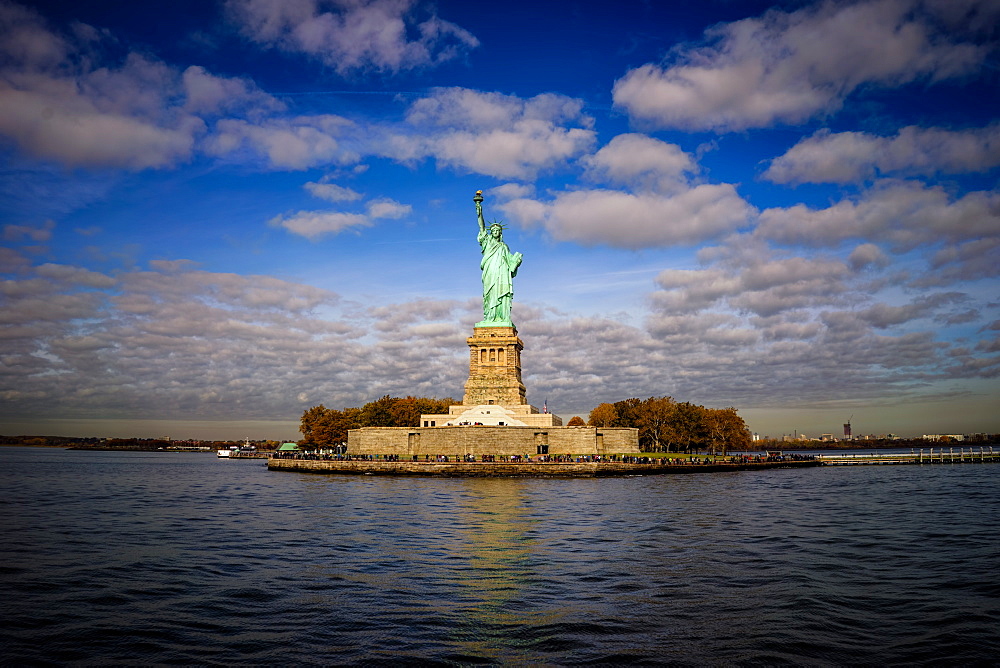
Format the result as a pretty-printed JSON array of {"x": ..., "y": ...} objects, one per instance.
[{"x": 235, "y": 452}]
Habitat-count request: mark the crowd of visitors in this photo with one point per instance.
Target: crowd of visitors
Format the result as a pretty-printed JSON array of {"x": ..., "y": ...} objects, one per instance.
[{"x": 743, "y": 458}]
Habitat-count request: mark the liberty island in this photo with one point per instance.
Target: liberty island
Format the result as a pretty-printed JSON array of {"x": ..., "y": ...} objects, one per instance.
[
  {"x": 495, "y": 431},
  {"x": 495, "y": 421}
]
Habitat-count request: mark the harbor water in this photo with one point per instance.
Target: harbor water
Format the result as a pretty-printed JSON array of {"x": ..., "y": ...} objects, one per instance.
[{"x": 143, "y": 558}]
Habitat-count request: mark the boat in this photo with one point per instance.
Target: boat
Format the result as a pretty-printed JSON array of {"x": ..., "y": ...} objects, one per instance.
[{"x": 235, "y": 452}]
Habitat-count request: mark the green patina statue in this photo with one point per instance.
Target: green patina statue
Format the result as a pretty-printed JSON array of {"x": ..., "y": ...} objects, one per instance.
[{"x": 499, "y": 267}]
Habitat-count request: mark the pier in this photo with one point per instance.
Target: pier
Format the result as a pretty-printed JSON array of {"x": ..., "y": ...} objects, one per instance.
[{"x": 931, "y": 456}]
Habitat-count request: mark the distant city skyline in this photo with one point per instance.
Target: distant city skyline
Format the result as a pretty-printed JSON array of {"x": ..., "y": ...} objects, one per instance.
[{"x": 214, "y": 215}]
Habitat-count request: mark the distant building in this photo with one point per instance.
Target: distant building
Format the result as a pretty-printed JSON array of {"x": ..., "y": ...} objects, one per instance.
[{"x": 941, "y": 437}]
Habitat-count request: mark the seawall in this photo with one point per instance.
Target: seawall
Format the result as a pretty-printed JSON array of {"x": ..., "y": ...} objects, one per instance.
[{"x": 514, "y": 470}]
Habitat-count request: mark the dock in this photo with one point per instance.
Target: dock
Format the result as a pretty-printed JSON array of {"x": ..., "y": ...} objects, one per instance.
[{"x": 930, "y": 456}]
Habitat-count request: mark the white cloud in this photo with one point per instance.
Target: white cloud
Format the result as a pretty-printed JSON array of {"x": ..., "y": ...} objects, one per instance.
[
  {"x": 641, "y": 162},
  {"x": 490, "y": 133},
  {"x": 211, "y": 345},
  {"x": 331, "y": 192},
  {"x": 627, "y": 220},
  {"x": 59, "y": 102},
  {"x": 206, "y": 93},
  {"x": 846, "y": 157},
  {"x": 383, "y": 35},
  {"x": 904, "y": 214},
  {"x": 867, "y": 255},
  {"x": 761, "y": 286},
  {"x": 387, "y": 208},
  {"x": 969, "y": 261},
  {"x": 788, "y": 67},
  {"x": 293, "y": 143},
  {"x": 316, "y": 224}
]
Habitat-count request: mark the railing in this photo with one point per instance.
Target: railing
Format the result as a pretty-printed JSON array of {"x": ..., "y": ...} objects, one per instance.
[{"x": 932, "y": 456}]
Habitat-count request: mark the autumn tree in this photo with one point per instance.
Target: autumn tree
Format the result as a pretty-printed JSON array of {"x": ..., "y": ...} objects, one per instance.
[
  {"x": 576, "y": 421},
  {"x": 604, "y": 415},
  {"x": 689, "y": 421},
  {"x": 311, "y": 422},
  {"x": 322, "y": 426},
  {"x": 726, "y": 429},
  {"x": 629, "y": 412},
  {"x": 378, "y": 413},
  {"x": 655, "y": 420}
]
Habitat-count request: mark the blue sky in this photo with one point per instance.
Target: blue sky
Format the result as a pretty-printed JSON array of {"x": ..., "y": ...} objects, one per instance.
[{"x": 216, "y": 215}]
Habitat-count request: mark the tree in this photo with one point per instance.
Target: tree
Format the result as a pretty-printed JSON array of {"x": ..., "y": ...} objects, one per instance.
[
  {"x": 310, "y": 422},
  {"x": 378, "y": 413},
  {"x": 726, "y": 429},
  {"x": 655, "y": 417},
  {"x": 324, "y": 427},
  {"x": 604, "y": 415},
  {"x": 576, "y": 421},
  {"x": 689, "y": 422},
  {"x": 628, "y": 411}
]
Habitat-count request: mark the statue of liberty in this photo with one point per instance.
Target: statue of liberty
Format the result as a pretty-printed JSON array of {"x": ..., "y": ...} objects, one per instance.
[{"x": 499, "y": 267}]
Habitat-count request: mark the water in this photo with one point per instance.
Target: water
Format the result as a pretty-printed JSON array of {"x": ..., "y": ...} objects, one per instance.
[{"x": 161, "y": 558}]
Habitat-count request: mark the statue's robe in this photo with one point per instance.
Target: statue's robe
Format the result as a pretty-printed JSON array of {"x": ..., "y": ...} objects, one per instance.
[{"x": 499, "y": 267}]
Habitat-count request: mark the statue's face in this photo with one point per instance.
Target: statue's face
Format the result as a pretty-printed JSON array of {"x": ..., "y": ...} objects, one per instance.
[{"x": 496, "y": 231}]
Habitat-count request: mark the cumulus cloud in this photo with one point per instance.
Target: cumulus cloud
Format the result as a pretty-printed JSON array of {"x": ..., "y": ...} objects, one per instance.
[
  {"x": 762, "y": 286},
  {"x": 783, "y": 318},
  {"x": 789, "y": 66},
  {"x": 383, "y": 35},
  {"x": 867, "y": 255},
  {"x": 206, "y": 93},
  {"x": 316, "y": 224},
  {"x": 848, "y": 157},
  {"x": 491, "y": 133},
  {"x": 641, "y": 162},
  {"x": 173, "y": 338},
  {"x": 289, "y": 143},
  {"x": 968, "y": 261},
  {"x": 627, "y": 220},
  {"x": 904, "y": 214},
  {"x": 59, "y": 101}
]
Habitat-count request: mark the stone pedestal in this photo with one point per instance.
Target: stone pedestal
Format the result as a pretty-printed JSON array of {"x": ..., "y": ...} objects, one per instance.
[{"x": 494, "y": 368}]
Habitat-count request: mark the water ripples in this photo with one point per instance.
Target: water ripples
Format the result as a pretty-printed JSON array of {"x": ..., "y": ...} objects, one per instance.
[{"x": 152, "y": 558}]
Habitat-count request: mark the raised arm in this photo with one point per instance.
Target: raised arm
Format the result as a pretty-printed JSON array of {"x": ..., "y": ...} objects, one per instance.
[{"x": 478, "y": 199}]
